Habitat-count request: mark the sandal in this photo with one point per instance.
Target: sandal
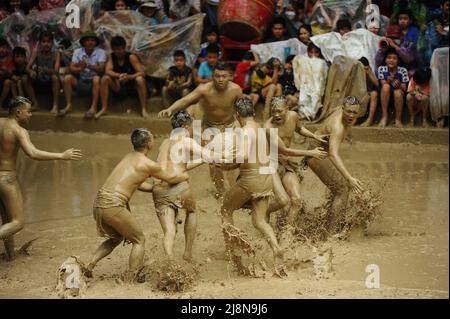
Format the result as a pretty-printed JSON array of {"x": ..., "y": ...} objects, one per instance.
[{"x": 89, "y": 115}]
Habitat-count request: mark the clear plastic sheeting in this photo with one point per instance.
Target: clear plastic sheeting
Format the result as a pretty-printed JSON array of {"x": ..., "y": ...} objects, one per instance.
[
  {"x": 280, "y": 49},
  {"x": 356, "y": 44},
  {"x": 310, "y": 76},
  {"x": 439, "y": 84},
  {"x": 326, "y": 13},
  {"x": 154, "y": 45},
  {"x": 346, "y": 77}
]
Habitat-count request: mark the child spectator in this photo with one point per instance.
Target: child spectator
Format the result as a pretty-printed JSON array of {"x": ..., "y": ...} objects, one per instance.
[
  {"x": 124, "y": 74},
  {"x": 179, "y": 81},
  {"x": 153, "y": 13},
  {"x": 206, "y": 69},
  {"x": 44, "y": 66},
  {"x": 305, "y": 34},
  {"x": 6, "y": 70},
  {"x": 394, "y": 80},
  {"x": 21, "y": 79},
  {"x": 314, "y": 51},
  {"x": 403, "y": 38},
  {"x": 287, "y": 78},
  {"x": 88, "y": 63},
  {"x": 278, "y": 30},
  {"x": 265, "y": 83},
  {"x": 212, "y": 36},
  {"x": 343, "y": 26},
  {"x": 372, "y": 90},
  {"x": 120, "y": 5},
  {"x": 418, "y": 98},
  {"x": 242, "y": 74}
]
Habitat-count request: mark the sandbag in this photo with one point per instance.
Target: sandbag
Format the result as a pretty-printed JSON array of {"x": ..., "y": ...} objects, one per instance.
[{"x": 439, "y": 84}]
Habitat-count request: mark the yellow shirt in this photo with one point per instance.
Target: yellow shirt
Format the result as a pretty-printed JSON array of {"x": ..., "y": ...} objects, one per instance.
[{"x": 258, "y": 84}]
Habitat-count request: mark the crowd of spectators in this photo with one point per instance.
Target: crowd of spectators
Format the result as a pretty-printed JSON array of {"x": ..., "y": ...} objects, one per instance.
[{"x": 401, "y": 78}]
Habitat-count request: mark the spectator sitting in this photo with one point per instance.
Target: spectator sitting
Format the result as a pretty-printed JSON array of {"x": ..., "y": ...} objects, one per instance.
[
  {"x": 88, "y": 63},
  {"x": 206, "y": 69},
  {"x": 343, "y": 26},
  {"x": 372, "y": 90},
  {"x": 153, "y": 13},
  {"x": 123, "y": 73},
  {"x": 436, "y": 35},
  {"x": 180, "y": 9},
  {"x": 403, "y": 38},
  {"x": 305, "y": 34},
  {"x": 418, "y": 98},
  {"x": 44, "y": 66},
  {"x": 314, "y": 51},
  {"x": 212, "y": 36},
  {"x": 6, "y": 70},
  {"x": 242, "y": 74},
  {"x": 300, "y": 16},
  {"x": 21, "y": 79},
  {"x": 394, "y": 79},
  {"x": 278, "y": 30},
  {"x": 287, "y": 78},
  {"x": 179, "y": 81},
  {"x": 265, "y": 83},
  {"x": 120, "y": 5}
]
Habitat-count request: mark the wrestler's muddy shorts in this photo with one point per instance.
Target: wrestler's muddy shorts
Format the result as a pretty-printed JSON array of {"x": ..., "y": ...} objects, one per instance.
[
  {"x": 7, "y": 178},
  {"x": 106, "y": 205},
  {"x": 255, "y": 184},
  {"x": 288, "y": 165},
  {"x": 174, "y": 197}
]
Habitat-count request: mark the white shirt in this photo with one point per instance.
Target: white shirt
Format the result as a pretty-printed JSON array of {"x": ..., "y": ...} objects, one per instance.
[{"x": 97, "y": 56}]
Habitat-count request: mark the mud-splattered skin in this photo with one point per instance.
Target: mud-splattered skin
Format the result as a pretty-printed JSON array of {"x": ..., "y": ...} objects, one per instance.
[
  {"x": 12, "y": 138},
  {"x": 287, "y": 187},
  {"x": 332, "y": 171}
]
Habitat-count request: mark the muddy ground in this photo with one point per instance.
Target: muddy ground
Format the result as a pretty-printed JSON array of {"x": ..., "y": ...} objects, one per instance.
[{"x": 409, "y": 242}]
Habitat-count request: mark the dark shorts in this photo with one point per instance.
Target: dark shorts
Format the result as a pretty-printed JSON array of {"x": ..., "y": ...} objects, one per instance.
[
  {"x": 42, "y": 86},
  {"x": 127, "y": 89}
]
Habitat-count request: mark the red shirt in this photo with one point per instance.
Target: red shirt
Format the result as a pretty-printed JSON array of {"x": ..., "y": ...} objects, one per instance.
[
  {"x": 6, "y": 67},
  {"x": 241, "y": 72}
]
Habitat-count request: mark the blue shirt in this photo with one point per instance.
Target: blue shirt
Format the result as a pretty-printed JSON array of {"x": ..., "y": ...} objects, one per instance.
[
  {"x": 205, "y": 71},
  {"x": 401, "y": 74}
]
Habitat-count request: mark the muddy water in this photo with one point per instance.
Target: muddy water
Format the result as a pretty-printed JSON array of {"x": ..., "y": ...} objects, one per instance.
[{"x": 409, "y": 243}]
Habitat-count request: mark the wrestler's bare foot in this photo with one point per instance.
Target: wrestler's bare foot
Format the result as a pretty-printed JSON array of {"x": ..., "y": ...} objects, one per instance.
[
  {"x": 382, "y": 123},
  {"x": 398, "y": 124},
  {"x": 88, "y": 271},
  {"x": 188, "y": 257}
]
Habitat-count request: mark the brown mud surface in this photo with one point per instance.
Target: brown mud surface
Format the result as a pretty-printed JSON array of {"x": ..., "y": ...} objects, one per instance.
[{"x": 409, "y": 241}]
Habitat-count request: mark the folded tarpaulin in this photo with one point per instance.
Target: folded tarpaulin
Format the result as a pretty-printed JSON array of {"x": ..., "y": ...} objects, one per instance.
[
  {"x": 439, "y": 84},
  {"x": 346, "y": 77},
  {"x": 280, "y": 49},
  {"x": 310, "y": 76},
  {"x": 355, "y": 44}
]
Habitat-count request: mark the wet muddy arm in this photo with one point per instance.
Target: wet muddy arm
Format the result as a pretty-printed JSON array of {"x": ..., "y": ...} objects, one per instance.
[
  {"x": 146, "y": 187},
  {"x": 31, "y": 151},
  {"x": 335, "y": 141},
  {"x": 156, "y": 171},
  {"x": 186, "y": 101}
]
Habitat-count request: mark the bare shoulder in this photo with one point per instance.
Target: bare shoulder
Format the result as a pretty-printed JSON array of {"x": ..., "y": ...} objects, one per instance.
[
  {"x": 293, "y": 116},
  {"x": 236, "y": 89}
]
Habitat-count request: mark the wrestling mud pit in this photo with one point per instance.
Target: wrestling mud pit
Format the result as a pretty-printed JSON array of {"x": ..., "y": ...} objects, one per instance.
[{"x": 408, "y": 242}]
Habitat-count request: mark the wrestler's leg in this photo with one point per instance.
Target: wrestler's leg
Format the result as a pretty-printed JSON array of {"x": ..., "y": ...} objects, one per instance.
[
  {"x": 9, "y": 242},
  {"x": 259, "y": 211},
  {"x": 330, "y": 176},
  {"x": 217, "y": 179},
  {"x": 102, "y": 251},
  {"x": 123, "y": 222},
  {"x": 190, "y": 225},
  {"x": 292, "y": 186},
  {"x": 282, "y": 200},
  {"x": 167, "y": 220},
  {"x": 11, "y": 196}
]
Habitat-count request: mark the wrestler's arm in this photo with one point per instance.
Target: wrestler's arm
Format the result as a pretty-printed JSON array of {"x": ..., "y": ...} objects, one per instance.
[
  {"x": 300, "y": 129},
  {"x": 31, "y": 151},
  {"x": 198, "y": 152},
  {"x": 335, "y": 141},
  {"x": 283, "y": 150},
  {"x": 156, "y": 171},
  {"x": 184, "y": 102},
  {"x": 146, "y": 187}
]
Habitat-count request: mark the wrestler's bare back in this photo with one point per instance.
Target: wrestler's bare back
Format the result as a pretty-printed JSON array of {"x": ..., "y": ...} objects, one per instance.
[
  {"x": 165, "y": 161},
  {"x": 130, "y": 173},
  {"x": 333, "y": 126},
  {"x": 252, "y": 127},
  {"x": 9, "y": 144}
]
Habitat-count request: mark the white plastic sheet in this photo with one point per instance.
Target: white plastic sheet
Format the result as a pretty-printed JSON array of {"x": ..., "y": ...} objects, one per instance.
[
  {"x": 355, "y": 44},
  {"x": 310, "y": 76},
  {"x": 266, "y": 51},
  {"x": 439, "y": 84}
]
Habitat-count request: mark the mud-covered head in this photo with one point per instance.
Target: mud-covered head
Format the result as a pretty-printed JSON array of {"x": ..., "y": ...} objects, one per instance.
[
  {"x": 278, "y": 109},
  {"x": 142, "y": 139},
  {"x": 244, "y": 107},
  {"x": 221, "y": 76},
  {"x": 19, "y": 107},
  {"x": 351, "y": 107},
  {"x": 182, "y": 120}
]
